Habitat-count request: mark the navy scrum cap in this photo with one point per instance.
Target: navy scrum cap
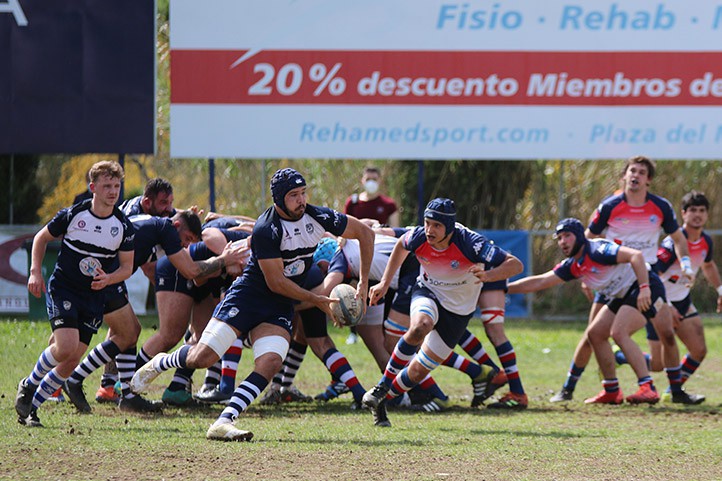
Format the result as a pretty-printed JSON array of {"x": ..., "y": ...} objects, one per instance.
[
  {"x": 282, "y": 182},
  {"x": 573, "y": 226},
  {"x": 442, "y": 210}
]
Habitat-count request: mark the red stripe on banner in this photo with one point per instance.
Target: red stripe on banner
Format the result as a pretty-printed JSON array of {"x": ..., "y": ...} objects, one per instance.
[{"x": 446, "y": 78}]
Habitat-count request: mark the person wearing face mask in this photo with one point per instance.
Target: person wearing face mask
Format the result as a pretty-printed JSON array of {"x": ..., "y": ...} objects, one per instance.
[{"x": 371, "y": 204}]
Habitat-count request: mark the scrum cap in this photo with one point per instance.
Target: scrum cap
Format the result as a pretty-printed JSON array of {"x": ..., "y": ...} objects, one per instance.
[
  {"x": 442, "y": 210},
  {"x": 325, "y": 250},
  {"x": 573, "y": 226},
  {"x": 282, "y": 182}
]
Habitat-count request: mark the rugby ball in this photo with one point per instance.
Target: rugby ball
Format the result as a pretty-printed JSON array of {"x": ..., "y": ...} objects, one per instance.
[{"x": 348, "y": 310}]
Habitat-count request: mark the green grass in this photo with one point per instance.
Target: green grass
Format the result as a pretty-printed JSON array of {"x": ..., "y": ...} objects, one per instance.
[{"x": 329, "y": 441}]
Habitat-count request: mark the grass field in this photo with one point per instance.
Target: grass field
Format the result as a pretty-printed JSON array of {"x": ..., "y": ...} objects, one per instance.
[{"x": 329, "y": 441}]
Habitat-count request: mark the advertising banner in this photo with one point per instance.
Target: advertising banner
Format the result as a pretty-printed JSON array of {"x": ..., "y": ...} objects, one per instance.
[
  {"x": 77, "y": 76},
  {"x": 445, "y": 80}
]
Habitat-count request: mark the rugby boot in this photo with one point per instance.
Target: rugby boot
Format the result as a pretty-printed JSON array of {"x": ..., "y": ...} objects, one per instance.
[
  {"x": 107, "y": 394},
  {"x": 480, "y": 384},
  {"x": 682, "y": 397},
  {"x": 76, "y": 395},
  {"x": 511, "y": 400},
  {"x": 333, "y": 390},
  {"x": 381, "y": 418},
  {"x": 373, "y": 398},
  {"x": 563, "y": 395},
  {"x": 646, "y": 394},
  {"x": 144, "y": 376},
  {"x": 292, "y": 394},
  {"x": 436, "y": 405},
  {"x": 138, "y": 404},
  {"x": 31, "y": 420},
  {"x": 605, "y": 397},
  {"x": 227, "y": 432},
  {"x": 213, "y": 396},
  {"x": 24, "y": 399}
]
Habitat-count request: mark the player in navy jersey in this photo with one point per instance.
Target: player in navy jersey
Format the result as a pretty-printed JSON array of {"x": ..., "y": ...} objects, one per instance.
[
  {"x": 157, "y": 200},
  {"x": 633, "y": 218},
  {"x": 96, "y": 251},
  {"x": 153, "y": 236},
  {"x": 259, "y": 304},
  {"x": 455, "y": 262}
]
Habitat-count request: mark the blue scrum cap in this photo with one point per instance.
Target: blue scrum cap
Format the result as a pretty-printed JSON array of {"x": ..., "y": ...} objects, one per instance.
[
  {"x": 442, "y": 210},
  {"x": 573, "y": 226},
  {"x": 282, "y": 182},
  {"x": 325, "y": 250}
]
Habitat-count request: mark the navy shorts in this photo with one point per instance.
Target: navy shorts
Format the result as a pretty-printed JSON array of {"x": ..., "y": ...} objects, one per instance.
[
  {"x": 450, "y": 326},
  {"x": 630, "y": 298},
  {"x": 81, "y": 310},
  {"x": 116, "y": 296},
  {"x": 168, "y": 279},
  {"x": 245, "y": 308}
]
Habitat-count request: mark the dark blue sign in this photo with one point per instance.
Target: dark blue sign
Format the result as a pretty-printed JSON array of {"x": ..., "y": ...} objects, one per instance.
[
  {"x": 516, "y": 242},
  {"x": 77, "y": 76}
]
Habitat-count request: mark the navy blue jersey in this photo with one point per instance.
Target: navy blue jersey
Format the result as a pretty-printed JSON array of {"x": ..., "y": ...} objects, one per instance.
[
  {"x": 292, "y": 241},
  {"x": 89, "y": 242},
  {"x": 132, "y": 207},
  {"x": 154, "y": 237},
  {"x": 222, "y": 223}
]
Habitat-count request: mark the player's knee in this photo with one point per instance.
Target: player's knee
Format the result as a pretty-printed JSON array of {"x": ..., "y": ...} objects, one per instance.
[
  {"x": 201, "y": 356},
  {"x": 492, "y": 315}
]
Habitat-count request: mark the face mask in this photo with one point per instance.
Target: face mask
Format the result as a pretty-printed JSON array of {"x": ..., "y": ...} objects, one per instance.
[{"x": 371, "y": 186}]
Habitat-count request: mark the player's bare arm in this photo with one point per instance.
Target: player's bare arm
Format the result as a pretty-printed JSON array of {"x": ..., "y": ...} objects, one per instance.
[
  {"x": 534, "y": 283},
  {"x": 36, "y": 283}
]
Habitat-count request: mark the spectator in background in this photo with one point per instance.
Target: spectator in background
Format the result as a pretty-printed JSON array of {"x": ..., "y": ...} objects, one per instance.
[{"x": 371, "y": 204}]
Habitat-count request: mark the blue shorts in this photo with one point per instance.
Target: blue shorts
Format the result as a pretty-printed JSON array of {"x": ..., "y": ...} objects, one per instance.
[
  {"x": 168, "y": 279},
  {"x": 450, "y": 326},
  {"x": 115, "y": 297},
  {"x": 684, "y": 307},
  {"x": 495, "y": 286},
  {"x": 402, "y": 299},
  {"x": 81, "y": 310},
  {"x": 630, "y": 298},
  {"x": 245, "y": 308}
]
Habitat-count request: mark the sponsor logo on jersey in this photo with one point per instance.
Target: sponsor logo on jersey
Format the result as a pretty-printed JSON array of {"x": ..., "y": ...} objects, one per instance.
[
  {"x": 98, "y": 229},
  {"x": 325, "y": 216},
  {"x": 161, "y": 282},
  {"x": 285, "y": 321},
  {"x": 274, "y": 231},
  {"x": 233, "y": 312},
  {"x": 58, "y": 322},
  {"x": 296, "y": 231},
  {"x": 89, "y": 266},
  {"x": 295, "y": 268},
  {"x": 81, "y": 224}
]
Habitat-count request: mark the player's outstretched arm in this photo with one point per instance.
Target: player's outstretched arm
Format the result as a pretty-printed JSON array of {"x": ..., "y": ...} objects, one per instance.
[{"x": 534, "y": 283}]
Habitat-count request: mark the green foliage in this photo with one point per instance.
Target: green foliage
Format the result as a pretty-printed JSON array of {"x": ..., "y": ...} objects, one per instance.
[{"x": 329, "y": 441}]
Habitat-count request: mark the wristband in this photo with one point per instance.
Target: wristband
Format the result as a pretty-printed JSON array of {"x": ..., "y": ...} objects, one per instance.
[
  {"x": 642, "y": 286},
  {"x": 719, "y": 290},
  {"x": 685, "y": 263}
]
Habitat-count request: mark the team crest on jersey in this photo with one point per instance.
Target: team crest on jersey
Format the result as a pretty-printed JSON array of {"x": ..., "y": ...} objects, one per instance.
[
  {"x": 233, "y": 312},
  {"x": 67, "y": 305},
  {"x": 454, "y": 264},
  {"x": 653, "y": 219},
  {"x": 309, "y": 228},
  {"x": 114, "y": 231},
  {"x": 189, "y": 285}
]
